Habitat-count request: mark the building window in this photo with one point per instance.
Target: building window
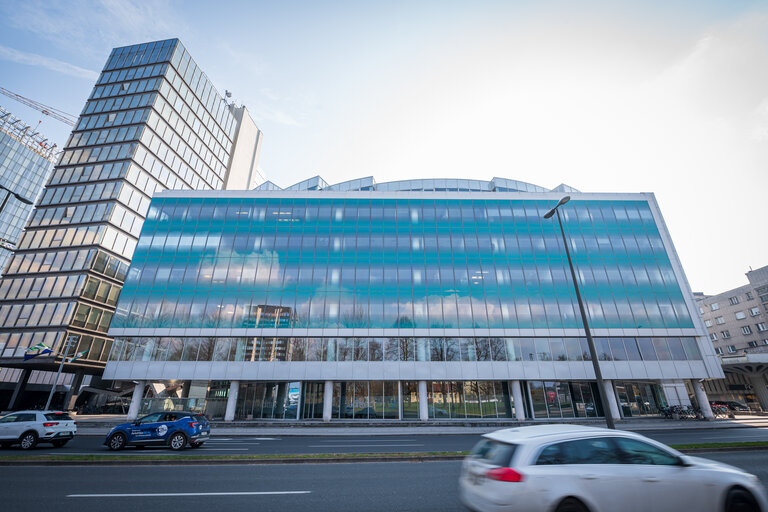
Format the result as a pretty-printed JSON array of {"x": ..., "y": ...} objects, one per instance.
[
  {"x": 761, "y": 327},
  {"x": 715, "y": 306},
  {"x": 765, "y": 342},
  {"x": 740, "y": 315},
  {"x": 713, "y": 336},
  {"x": 718, "y": 351},
  {"x": 750, "y": 296},
  {"x": 754, "y": 311},
  {"x": 701, "y": 311},
  {"x": 725, "y": 334},
  {"x": 731, "y": 349},
  {"x": 719, "y": 320},
  {"x": 752, "y": 344},
  {"x": 746, "y": 330},
  {"x": 708, "y": 323},
  {"x": 733, "y": 300}
]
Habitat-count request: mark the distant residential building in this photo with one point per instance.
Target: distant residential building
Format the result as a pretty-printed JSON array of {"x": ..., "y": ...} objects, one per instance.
[
  {"x": 737, "y": 324},
  {"x": 153, "y": 122},
  {"x": 26, "y": 163}
]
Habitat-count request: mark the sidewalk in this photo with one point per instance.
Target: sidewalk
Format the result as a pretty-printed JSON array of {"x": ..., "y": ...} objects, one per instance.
[{"x": 100, "y": 425}]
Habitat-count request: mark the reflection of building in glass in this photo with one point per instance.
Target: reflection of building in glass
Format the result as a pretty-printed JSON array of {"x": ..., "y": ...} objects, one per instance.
[
  {"x": 26, "y": 162},
  {"x": 269, "y": 316},
  {"x": 415, "y": 299},
  {"x": 154, "y": 121}
]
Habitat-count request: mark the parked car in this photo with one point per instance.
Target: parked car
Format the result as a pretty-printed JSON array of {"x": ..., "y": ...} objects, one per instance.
[
  {"x": 731, "y": 405},
  {"x": 28, "y": 428},
  {"x": 175, "y": 429},
  {"x": 571, "y": 468}
]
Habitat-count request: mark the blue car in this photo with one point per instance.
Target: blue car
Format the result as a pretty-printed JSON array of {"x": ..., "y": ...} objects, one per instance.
[{"x": 174, "y": 429}]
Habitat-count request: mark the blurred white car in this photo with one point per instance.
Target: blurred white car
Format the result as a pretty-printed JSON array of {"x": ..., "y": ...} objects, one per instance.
[
  {"x": 571, "y": 468},
  {"x": 27, "y": 428}
]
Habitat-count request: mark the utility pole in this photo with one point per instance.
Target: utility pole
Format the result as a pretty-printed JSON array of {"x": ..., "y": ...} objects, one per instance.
[
  {"x": 70, "y": 339},
  {"x": 592, "y": 351}
]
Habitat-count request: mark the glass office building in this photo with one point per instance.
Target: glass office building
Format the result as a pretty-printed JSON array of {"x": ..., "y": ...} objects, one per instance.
[
  {"x": 418, "y": 299},
  {"x": 154, "y": 121},
  {"x": 26, "y": 162}
]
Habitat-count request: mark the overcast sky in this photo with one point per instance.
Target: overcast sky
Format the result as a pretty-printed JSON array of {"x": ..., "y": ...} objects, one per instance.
[{"x": 604, "y": 96}]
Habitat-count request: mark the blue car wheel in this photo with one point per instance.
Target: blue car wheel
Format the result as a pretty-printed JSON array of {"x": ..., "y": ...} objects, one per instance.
[
  {"x": 117, "y": 441},
  {"x": 177, "y": 441}
]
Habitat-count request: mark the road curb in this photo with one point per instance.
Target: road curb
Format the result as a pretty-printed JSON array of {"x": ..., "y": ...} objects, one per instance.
[
  {"x": 724, "y": 449},
  {"x": 308, "y": 460}
]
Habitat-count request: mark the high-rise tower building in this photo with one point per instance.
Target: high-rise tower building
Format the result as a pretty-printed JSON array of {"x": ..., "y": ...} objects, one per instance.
[
  {"x": 26, "y": 162},
  {"x": 153, "y": 122}
]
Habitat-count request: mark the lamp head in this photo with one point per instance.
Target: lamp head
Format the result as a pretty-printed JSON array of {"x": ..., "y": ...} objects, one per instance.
[{"x": 551, "y": 212}]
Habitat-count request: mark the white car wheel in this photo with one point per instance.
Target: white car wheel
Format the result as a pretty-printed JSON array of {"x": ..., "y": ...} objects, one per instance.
[{"x": 28, "y": 440}]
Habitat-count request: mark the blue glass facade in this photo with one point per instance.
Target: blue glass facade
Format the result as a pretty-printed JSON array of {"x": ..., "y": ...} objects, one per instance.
[
  {"x": 413, "y": 299},
  {"x": 26, "y": 162},
  {"x": 361, "y": 262}
]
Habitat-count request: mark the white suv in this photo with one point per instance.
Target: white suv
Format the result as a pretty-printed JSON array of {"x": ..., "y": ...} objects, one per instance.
[
  {"x": 571, "y": 468},
  {"x": 27, "y": 428}
]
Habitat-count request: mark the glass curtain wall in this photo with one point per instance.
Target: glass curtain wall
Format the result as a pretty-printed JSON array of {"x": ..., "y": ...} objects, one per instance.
[
  {"x": 560, "y": 399},
  {"x": 354, "y": 262},
  {"x": 366, "y": 400},
  {"x": 312, "y": 400},
  {"x": 639, "y": 398},
  {"x": 469, "y": 399},
  {"x": 267, "y": 400}
]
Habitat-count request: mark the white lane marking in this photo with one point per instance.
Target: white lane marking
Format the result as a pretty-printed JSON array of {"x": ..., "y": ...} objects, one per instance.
[
  {"x": 217, "y": 443},
  {"x": 244, "y": 439},
  {"x": 163, "y": 494},
  {"x": 157, "y": 452},
  {"x": 359, "y": 445}
]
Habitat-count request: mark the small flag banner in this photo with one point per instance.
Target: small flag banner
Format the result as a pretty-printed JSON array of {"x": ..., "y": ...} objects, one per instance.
[
  {"x": 77, "y": 356},
  {"x": 27, "y": 355}
]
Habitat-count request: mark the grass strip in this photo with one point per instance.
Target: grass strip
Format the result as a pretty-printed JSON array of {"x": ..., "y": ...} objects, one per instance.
[
  {"x": 293, "y": 456},
  {"x": 738, "y": 444}
]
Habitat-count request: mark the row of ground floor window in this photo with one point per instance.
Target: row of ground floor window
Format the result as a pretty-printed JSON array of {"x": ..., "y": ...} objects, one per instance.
[{"x": 412, "y": 400}]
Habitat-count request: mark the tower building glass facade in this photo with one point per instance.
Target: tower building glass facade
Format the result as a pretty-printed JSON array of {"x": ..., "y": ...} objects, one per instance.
[
  {"x": 426, "y": 298},
  {"x": 26, "y": 162},
  {"x": 153, "y": 122}
]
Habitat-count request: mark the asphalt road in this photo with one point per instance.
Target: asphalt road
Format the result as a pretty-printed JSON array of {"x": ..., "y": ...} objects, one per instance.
[
  {"x": 248, "y": 445},
  {"x": 318, "y": 487}
]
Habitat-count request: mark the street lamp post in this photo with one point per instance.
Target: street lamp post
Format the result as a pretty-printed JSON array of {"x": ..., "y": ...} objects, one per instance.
[
  {"x": 592, "y": 352},
  {"x": 70, "y": 339}
]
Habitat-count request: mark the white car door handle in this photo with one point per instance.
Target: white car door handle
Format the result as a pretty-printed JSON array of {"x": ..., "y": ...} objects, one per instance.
[
  {"x": 650, "y": 479},
  {"x": 589, "y": 477}
]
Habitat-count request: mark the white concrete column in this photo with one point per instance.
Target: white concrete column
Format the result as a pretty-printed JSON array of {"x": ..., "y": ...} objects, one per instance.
[
  {"x": 234, "y": 389},
  {"x": 760, "y": 389},
  {"x": 328, "y": 400},
  {"x": 138, "y": 394},
  {"x": 423, "y": 401},
  {"x": 610, "y": 396},
  {"x": 517, "y": 398},
  {"x": 74, "y": 391},
  {"x": 701, "y": 397}
]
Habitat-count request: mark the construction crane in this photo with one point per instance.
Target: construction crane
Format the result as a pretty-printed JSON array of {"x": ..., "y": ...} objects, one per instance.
[{"x": 57, "y": 114}]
